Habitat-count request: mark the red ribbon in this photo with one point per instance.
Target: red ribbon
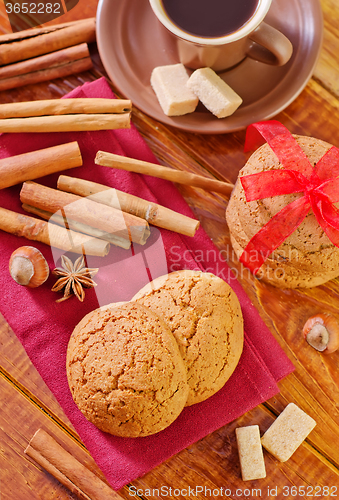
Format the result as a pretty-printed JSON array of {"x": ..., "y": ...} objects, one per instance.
[{"x": 320, "y": 186}]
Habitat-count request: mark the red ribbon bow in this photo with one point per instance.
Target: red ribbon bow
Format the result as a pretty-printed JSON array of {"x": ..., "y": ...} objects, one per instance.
[{"x": 320, "y": 186}]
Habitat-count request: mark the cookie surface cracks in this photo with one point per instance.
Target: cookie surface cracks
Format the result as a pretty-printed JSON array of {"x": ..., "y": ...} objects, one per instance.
[
  {"x": 205, "y": 318},
  {"x": 125, "y": 371}
]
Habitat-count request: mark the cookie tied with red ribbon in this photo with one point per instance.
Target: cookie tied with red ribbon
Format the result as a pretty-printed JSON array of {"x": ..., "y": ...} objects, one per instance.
[{"x": 283, "y": 213}]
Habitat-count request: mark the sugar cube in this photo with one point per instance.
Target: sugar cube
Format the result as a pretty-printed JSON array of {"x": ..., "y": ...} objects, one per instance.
[
  {"x": 250, "y": 453},
  {"x": 287, "y": 432},
  {"x": 169, "y": 85},
  {"x": 213, "y": 92}
]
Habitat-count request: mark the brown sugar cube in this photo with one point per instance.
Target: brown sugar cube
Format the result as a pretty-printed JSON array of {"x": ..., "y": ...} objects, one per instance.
[
  {"x": 287, "y": 433},
  {"x": 218, "y": 97},
  {"x": 169, "y": 85},
  {"x": 250, "y": 453}
]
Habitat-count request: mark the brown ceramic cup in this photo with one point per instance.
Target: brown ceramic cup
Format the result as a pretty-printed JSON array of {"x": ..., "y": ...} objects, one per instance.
[{"x": 255, "y": 39}]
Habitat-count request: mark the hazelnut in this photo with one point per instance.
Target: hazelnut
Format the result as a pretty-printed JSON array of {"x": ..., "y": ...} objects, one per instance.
[
  {"x": 322, "y": 332},
  {"x": 28, "y": 267}
]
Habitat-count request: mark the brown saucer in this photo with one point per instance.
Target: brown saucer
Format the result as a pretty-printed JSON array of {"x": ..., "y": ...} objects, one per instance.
[{"x": 131, "y": 42}]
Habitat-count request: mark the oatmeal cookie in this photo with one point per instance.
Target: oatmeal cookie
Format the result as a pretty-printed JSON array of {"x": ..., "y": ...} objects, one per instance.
[
  {"x": 307, "y": 257},
  {"x": 125, "y": 371},
  {"x": 205, "y": 318}
]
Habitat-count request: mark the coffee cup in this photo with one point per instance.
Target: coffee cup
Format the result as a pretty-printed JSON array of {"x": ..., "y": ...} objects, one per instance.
[{"x": 221, "y": 33}]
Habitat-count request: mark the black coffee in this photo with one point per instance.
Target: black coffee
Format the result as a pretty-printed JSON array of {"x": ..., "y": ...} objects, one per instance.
[{"x": 210, "y": 18}]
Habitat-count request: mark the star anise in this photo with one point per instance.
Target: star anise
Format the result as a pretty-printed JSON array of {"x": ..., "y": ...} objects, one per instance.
[{"x": 73, "y": 278}]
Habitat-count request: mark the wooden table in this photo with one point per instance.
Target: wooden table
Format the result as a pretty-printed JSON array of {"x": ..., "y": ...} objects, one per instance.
[{"x": 27, "y": 404}]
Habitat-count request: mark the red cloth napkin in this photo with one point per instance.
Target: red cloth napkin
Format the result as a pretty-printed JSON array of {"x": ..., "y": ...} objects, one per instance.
[{"x": 44, "y": 326}]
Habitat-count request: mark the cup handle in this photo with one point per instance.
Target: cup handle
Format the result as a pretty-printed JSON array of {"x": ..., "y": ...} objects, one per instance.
[{"x": 270, "y": 46}]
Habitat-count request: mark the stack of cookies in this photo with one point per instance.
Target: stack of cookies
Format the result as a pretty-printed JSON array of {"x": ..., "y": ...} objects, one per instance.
[
  {"x": 132, "y": 367},
  {"x": 307, "y": 257}
]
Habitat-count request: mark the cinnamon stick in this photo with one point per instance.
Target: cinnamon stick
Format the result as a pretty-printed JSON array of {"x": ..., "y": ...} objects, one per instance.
[
  {"x": 60, "y": 57},
  {"x": 144, "y": 167},
  {"x": 86, "y": 211},
  {"x": 153, "y": 213},
  {"x": 64, "y": 106},
  {"x": 78, "y": 226},
  {"x": 51, "y": 234},
  {"x": 48, "y": 42},
  {"x": 44, "y": 75},
  {"x": 32, "y": 32},
  {"x": 66, "y": 123},
  {"x": 27, "y": 166},
  {"x": 63, "y": 466}
]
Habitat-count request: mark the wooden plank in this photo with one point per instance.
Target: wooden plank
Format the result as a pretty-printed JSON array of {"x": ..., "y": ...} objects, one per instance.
[
  {"x": 276, "y": 318},
  {"x": 213, "y": 462},
  {"x": 15, "y": 362},
  {"x": 269, "y": 307},
  {"x": 326, "y": 71},
  {"x": 82, "y": 10},
  {"x": 315, "y": 383},
  {"x": 20, "y": 477},
  {"x": 310, "y": 114}
]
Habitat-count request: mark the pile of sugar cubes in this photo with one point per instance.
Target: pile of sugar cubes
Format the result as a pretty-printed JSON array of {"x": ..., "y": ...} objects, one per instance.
[
  {"x": 282, "y": 439},
  {"x": 179, "y": 94}
]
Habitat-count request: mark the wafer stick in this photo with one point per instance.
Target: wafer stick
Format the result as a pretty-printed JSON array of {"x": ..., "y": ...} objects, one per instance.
[{"x": 144, "y": 167}]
